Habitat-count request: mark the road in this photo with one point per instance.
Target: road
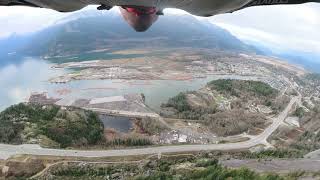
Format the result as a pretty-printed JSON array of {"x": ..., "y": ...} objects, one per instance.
[
  {"x": 123, "y": 113},
  {"x": 9, "y": 150}
]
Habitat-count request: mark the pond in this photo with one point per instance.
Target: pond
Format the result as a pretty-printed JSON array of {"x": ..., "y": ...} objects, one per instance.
[{"x": 121, "y": 124}]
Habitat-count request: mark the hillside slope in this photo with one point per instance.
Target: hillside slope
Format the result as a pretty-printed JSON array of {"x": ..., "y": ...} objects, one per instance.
[
  {"x": 227, "y": 107},
  {"x": 50, "y": 126}
]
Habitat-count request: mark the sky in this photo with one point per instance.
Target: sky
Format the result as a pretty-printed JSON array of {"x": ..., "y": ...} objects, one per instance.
[{"x": 292, "y": 27}]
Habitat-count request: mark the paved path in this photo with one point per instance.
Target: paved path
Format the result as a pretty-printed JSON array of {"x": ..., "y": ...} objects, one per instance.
[{"x": 9, "y": 150}]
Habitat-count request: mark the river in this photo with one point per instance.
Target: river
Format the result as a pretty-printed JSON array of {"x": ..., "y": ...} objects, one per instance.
[{"x": 19, "y": 80}]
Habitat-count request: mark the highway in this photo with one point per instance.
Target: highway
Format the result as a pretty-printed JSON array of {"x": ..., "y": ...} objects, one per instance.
[{"x": 9, "y": 150}]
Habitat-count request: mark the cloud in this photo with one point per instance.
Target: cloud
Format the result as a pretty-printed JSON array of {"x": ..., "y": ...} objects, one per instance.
[
  {"x": 23, "y": 20},
  {"x": 293, "y": 27}
]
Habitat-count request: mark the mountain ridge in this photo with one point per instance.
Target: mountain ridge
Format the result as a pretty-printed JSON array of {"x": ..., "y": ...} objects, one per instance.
[{"x": 91, "y": 30}]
